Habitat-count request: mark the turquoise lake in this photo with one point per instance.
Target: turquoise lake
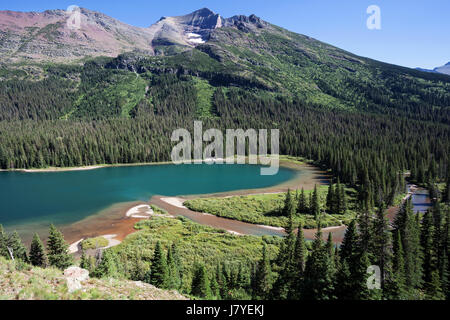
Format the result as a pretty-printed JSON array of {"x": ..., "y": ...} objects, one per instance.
[{"x": 67, "y": 197}]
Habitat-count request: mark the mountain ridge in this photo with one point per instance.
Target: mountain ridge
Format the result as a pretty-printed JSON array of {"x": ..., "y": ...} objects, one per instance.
[{"x": 46, "y": 36}]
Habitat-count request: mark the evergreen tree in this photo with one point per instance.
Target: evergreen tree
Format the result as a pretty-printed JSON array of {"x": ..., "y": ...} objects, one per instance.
[
  {"x": 399, "y": 264},
  {"x": 318, "y": 282},
  {"x": 107, "y": 266},
  {"x": 85, "y": 262},
  {"x": 200, "y": 282},
  {"x": 215, "y": 289},
  {"x": 38, "y": 257},
  {"x": 299, "y": 261},
  {"x": 342, "y": 199},
  {"x": 286, "y": 266},
  {"x": 221, "y": 281},
  {"x": 433, "y": 288},
  {"x": 331, "y": 200},
  {"x": 413, "y": 255},
  {"x": 57, "y": 250},
  {"x": 315, "y": 206},
  {"x": 174, "y": 268},
  {"x": 349, "y": 243},
  {"x": 382, "y": 244},
  {"x": 288, "y": 209},
  {"x": 437, "y": 234},
  {"x": 446, "y": 193},
  {"x": 263, "y": 277},
  {"x": 365, "y": 233},
  {"x": 3, "y": 242},
  {"x": 426, "y": 242},
  {"x": 159, "y": 273},
  {"x": 302, "y": 207},
  {"x": 15, "y": 244}
]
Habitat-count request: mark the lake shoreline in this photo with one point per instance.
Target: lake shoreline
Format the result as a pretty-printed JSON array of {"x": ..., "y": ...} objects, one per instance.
[
  {"x": 85, "y": 168},
  {"x": 116, "y": 221}
]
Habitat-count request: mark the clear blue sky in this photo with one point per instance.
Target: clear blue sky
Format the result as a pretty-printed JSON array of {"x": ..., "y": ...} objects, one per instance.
[{"x": 415, "y": 33}]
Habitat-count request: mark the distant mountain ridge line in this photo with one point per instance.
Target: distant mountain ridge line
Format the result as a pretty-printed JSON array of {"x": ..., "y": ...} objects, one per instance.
[{"x": 45, "y": 36}]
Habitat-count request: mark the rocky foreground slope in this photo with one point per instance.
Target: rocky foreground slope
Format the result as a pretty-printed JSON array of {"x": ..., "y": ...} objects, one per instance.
[{"x": 22, "y": 282}]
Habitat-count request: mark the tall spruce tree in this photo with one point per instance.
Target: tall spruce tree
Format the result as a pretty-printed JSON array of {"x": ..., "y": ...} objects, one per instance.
[
  {"x": 433, "y": 289},
  {"x": 107, "y": 266},
  {"x": 446, "y": 193},
  {"x": 288, "y": 209},
  {"x": 200, "y": 282},
  {"x": 318, "y": 282},
  {"x": 315, "y": 205},
  {"x": 57, "y": 250},
  {"x": 16, "y": 247},
  {"x": 174, "y": 268},
  {"x": 159, "y": 272},
  {"x": 426, "y": 242},
  {"x": 302, "y": 207},
  {"x": 413, "y": 254},
  {"x": 331, "y": 200},
  {"x": 38, "y": 256},
  {"x": 3, "y": 242},
  {"x": 262, "y": 277},
  {"x": 299, "y": 261},
  {"x": 286, "y": 265},
  {"x": 382, "y": 244}
]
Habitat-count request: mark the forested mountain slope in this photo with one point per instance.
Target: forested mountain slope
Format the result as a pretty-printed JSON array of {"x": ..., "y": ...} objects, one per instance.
[{"x": 366, "y": 120}]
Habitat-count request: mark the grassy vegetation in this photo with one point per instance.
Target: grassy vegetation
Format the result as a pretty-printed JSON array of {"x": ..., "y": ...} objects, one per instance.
[
  {"x": 204, "y": 98},
  {"x": 158, "y": 210},
  {"x": 196, "y": 243},
  {"x": 94, "y": 243},
  {"x": 266, "y": 209},
  {"x": 19, "y": 281}
]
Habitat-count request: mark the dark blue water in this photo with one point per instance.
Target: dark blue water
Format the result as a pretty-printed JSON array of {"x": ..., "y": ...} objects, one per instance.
[
  {"x": 67, "y": 197},
  {"x": 421, "y": 201}
]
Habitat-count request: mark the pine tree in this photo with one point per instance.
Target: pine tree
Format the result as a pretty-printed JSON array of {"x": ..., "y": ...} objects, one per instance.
[
  {"x": 413, "y": 255},
  {"x": 173, "y": 263},
  {"x": 15, "y": 244},
  {"x": 330, "y": 200},
  {"x": 3, "y": 242},
  {"x": 222, "y": 281},
  {"x": 299, "y": 261},
  {"x": 437, "y": 234},
  {"x": 302, "y": 207},
  {"x": 382, "y": 244},
  {"x": 263, "y": 277},
  {"x": 215, "y": 289},
  {"x": 342, "y": 199},
  {"x": 318, "y": 282},
  {"x": 38, "y": 257},
  {"x": 159, "y": 273},
  {"x": 433, "y": 288},
  {"x": 446, "y": 193},
  {"x": 445, "y": 280},
  {"x": 286, "y": 266},
  {"x": 349, "y": 243},
  {"x": 57, "y": 250},
  {"x": 200, "y": 282},
  {"x": 330, "y": 246},
  {"x": 315, "y": 206},
  {"x": 426, "y": 242},
  {"x": 288, "y": 209},
  {"x": 399, "y": 264},
  {"x": 365, "y": 232},
  {"x": 85, "y": 262},
  {"x": 107, "y": 267}
]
